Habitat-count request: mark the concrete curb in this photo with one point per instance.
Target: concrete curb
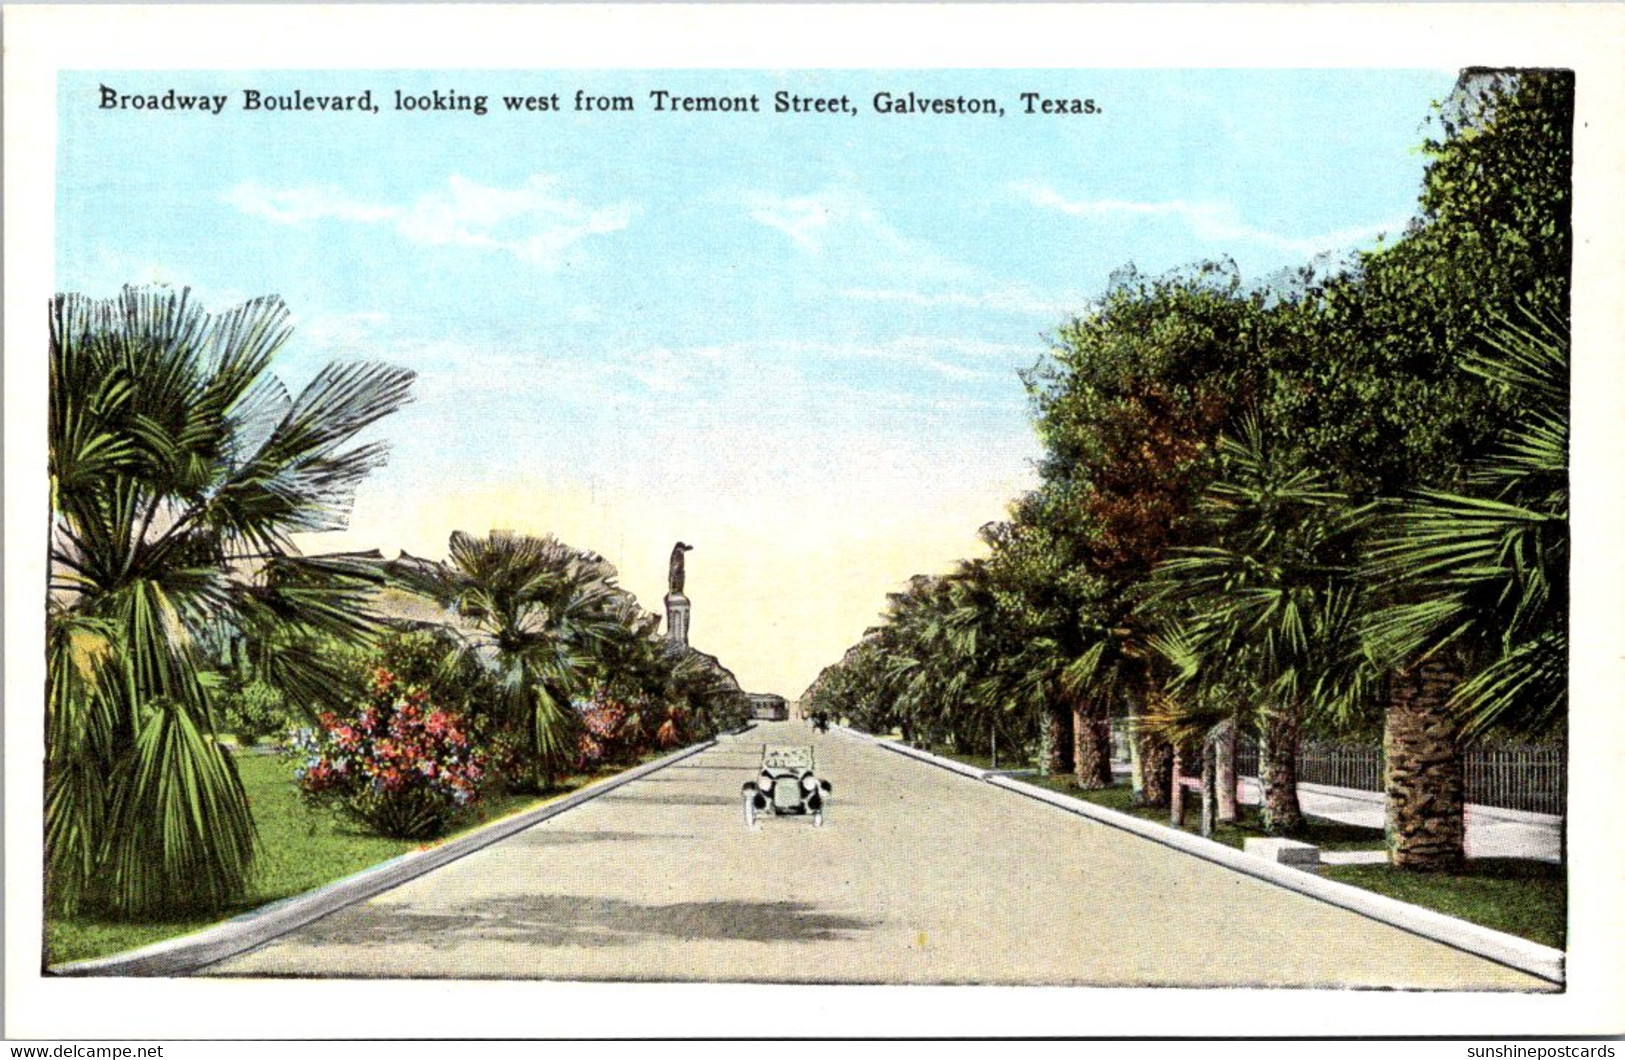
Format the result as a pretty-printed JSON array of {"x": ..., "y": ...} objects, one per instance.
[
  {"x": 189, "y": 953},
  {"x": 1541, "y": 961},
  {"x": 854, "y": 734},
  {"x": 937, "y": 760}
]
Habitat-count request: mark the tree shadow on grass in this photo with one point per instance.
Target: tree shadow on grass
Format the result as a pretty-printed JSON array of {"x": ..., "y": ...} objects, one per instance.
[{"x": 570, "y": 920}]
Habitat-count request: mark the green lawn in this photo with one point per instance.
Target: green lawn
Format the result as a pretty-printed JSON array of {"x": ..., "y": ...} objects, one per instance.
[
  {"x": 1520, "y": 897},
  {"x": 300, "y": 849}
]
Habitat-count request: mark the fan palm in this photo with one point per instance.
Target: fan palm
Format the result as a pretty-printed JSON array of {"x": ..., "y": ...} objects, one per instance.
[
  {"x": 1268, "y": 605},
  {"x": 180, "y": 468},
  {"x": 1485, "y": 570},
  {"x": 538, "y": 613},
  {"x": 1475, "y": 587}
]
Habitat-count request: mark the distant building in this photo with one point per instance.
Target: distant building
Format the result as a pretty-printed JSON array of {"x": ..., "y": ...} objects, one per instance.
[{"x": 765, "y": 706}]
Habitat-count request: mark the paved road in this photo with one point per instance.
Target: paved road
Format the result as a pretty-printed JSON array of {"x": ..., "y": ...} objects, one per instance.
[{"x": 920, "y": 876}]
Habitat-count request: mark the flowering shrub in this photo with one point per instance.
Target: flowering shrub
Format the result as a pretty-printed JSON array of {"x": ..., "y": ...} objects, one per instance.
[
  {"x": 400, "y": 766},
  {"x": 670, "y": 733},
  {"x": 612, "y": 730},
  {"x": 601, "y": 720}
]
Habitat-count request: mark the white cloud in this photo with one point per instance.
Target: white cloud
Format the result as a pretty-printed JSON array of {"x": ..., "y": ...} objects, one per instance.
[
  {"x": 845, "y": 226},
  {"x": 1010, "y": 298},
  {"x": 662, "y": 370},
  {"x": 473, "y": 215},
  {"x": 533, "y": 222},
  {"x": 1216, "y": 221},
  {"x": 760, "y": 379},
  {"x": 847, "y": 229},
  {"x": 291, "y": 206},
  {"x": 951, "y": 358},
  {"x": 341, "y": 331},
  {"x": 809, "y": 219}
]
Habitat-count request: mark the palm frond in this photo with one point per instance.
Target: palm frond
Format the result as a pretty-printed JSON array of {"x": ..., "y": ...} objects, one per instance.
[
  {"x": 1485, "y": 572},
  {"x": 181, "y": 835}
]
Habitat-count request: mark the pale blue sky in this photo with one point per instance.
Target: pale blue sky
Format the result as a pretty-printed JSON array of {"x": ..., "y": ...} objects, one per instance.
[{"x": 793, "y": 339}]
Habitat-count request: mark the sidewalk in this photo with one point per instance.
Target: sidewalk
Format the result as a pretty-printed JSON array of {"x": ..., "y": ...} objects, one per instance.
[{"x": 1491, "y": 832}]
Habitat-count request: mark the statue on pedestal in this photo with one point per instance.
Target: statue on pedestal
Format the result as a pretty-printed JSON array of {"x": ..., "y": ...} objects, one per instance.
[{"x": 674, "y": 579}]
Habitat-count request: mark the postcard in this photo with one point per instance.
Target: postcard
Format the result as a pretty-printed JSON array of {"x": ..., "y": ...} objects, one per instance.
[{"x": 940, "y": 520}]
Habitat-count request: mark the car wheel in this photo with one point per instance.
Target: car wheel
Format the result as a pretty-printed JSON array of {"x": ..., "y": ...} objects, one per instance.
[
  {"x": 818, "y": 818},
  {"x": 749, "y": 801}
]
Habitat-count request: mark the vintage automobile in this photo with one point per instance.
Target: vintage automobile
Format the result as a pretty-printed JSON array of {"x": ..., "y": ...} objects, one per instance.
[{"x": 786, "y": 787}]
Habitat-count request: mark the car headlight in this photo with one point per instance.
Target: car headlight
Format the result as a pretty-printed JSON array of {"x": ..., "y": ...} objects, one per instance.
[{"x": 809, "y": 783}]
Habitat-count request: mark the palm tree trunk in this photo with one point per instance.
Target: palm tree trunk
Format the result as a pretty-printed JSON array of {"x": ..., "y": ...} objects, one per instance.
[
  {"x": 1278, "y": 772},
  {"x": 1425, "y": 780},
  {"x": 1156, "y": 768},
  {"x": 1136, "y": 767},
  {"x": 1091, "y": 744},
  {"x": 1212, "y": 751},
  {"x": 1225, "y": 767},
  {"x": 1052, "y": 740},
  {"x": 1176, "y": 789}
]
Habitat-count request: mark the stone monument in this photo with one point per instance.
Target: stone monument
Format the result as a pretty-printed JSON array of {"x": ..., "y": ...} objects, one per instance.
[{"x": 677, "y": 605}]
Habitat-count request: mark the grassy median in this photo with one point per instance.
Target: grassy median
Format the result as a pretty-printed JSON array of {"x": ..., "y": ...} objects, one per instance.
[{"x": 300, "y": 849}]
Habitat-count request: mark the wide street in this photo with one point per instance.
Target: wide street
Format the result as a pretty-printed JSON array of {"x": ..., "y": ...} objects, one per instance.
[{"x": 919, "y": 876}]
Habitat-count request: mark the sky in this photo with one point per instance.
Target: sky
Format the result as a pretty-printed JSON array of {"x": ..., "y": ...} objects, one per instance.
[{"x": 791, "y": 340}]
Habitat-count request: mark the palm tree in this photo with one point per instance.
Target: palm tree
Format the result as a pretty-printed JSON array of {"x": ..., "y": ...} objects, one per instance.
[
  {"x": 1267, "y": 607},
  {"x": 685, "y": 693},
  {"x": 180, "y": 468},
  {"x": 1056, "y": 651},
  {"x": 1476, "y": 584},
  {"x": 539, "y": 614}
]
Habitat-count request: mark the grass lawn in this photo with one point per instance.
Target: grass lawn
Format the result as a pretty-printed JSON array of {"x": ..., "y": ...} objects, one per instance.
[
  {"x": 1008, "y": 759},
  {"x": 1521, "y": 897},
  {"x": 300, "y": 849}
]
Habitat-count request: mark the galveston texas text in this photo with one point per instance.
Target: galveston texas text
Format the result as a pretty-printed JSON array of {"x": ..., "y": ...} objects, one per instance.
[{"x": 582, "y": 101}]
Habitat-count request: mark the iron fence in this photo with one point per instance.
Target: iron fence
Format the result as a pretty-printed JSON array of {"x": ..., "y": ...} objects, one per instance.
[
  {"x": 1517, "y": 778},
  {"x": 1510, "y": 776},
  {"x": 1341, "y": 766}
]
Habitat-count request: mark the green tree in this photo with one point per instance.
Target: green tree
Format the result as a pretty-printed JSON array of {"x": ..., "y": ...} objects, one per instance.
[
  {"x": 539, "y": 614},
  {"x": 180, "y": 468},
  {"x": 1065, "y": 653},
  {"x": 1475, "y": 597},
  {"x": 1377, "y": 388},
  {"x": 1129, "y": 404},
  {"x": 1266, "y": 607},
  {"x": 1386, "y": 391}
]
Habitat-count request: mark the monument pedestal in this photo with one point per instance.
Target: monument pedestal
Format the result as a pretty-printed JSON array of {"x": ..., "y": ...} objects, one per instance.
[{"x": 677, "y": 611}]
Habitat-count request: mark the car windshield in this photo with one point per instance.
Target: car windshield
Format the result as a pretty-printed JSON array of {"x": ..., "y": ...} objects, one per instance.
[{"x": 787, "y": 758}]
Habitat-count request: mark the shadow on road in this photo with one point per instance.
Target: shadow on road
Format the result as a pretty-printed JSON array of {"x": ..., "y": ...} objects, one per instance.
[
  {"x": 747, "y": 765},
  {"x": 675, "y": 800},
  {"x": 574, "y": 920},
  {"x": 561, "y": 837}
]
